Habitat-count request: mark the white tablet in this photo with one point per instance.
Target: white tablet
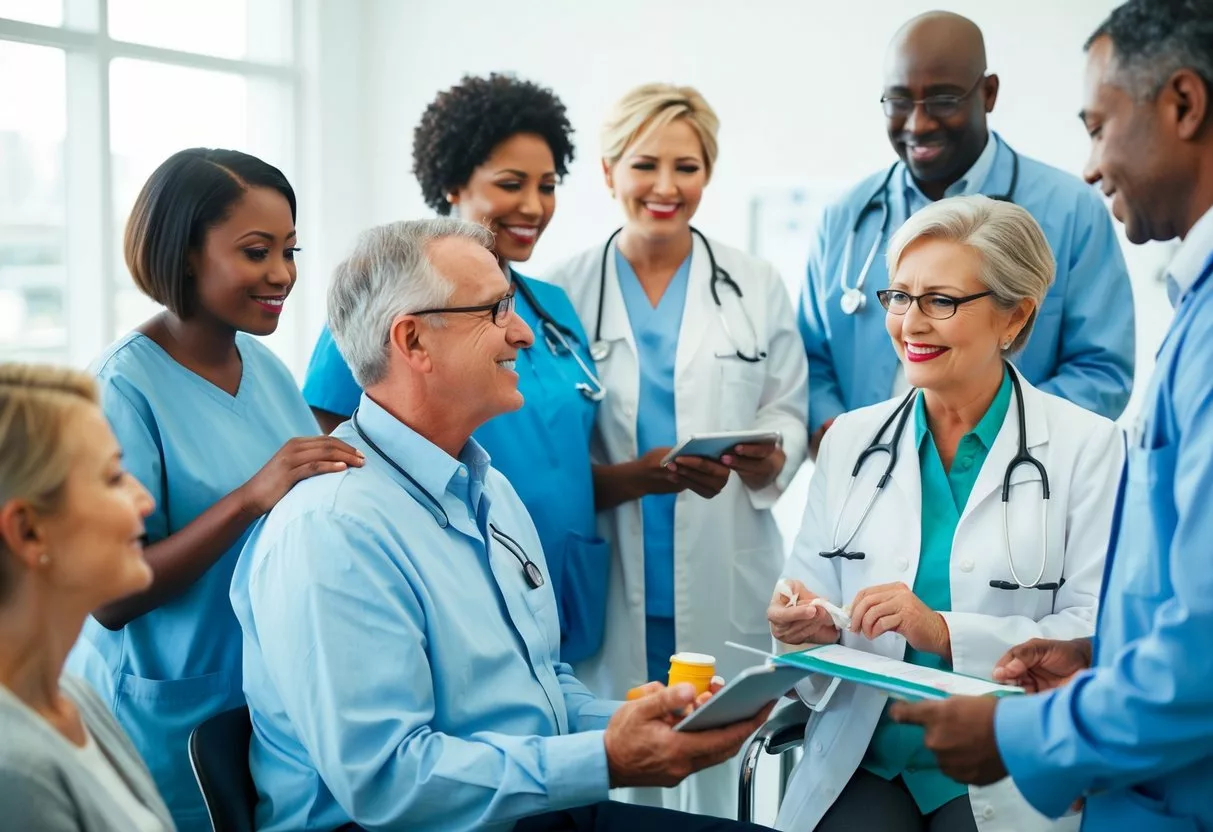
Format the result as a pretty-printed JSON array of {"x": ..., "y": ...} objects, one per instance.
[
  {"x": 715, "y": 445},
  {"x": 747, "y": 694}
]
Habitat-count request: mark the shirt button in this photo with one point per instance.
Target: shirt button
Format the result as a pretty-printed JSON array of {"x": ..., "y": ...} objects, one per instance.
[
  {"x": 966, "y": 565},
  {"x": 902, "y": 564},
  {"x": 636, "y": 600},
  {"x": 463, "y": 472},
  {"x": 818, "y": 747},
  {"x": 987, "y": 812}
]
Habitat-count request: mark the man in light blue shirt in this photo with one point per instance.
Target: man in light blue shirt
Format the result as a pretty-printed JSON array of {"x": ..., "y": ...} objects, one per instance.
[
  {"x": 401, "y": 641},
  {"x": 1125, "y": 722},
  {"x": 937, "y": 99}
]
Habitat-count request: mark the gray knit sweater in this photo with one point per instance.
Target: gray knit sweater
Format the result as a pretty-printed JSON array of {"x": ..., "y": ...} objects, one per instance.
[{"x": 44, "y": 787}]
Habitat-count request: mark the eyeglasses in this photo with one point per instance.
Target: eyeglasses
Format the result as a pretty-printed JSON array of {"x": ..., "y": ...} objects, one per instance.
[
  {"x": 501, "y": 309},
  {"x": 936, "y": 106},
  {"x": 933, "y": 304}
]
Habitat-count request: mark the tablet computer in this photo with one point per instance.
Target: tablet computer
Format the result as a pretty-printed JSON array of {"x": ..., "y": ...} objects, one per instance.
[
  {"x": 747, "y": 694},
  {"x": 715, "y": 445}
]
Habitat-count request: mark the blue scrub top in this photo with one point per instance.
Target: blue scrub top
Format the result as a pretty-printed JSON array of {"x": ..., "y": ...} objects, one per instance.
[
  {"x": 1135, "y": 733},
  {"x": 1082, "y": 344},
  {"x": 655, "y": 330},
  {"x": 543, "y": 449},
  {"x": 190, "y": 444}
]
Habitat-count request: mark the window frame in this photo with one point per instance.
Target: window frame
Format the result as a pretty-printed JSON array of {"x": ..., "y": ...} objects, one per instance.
[{"x": 91, "y": 224}]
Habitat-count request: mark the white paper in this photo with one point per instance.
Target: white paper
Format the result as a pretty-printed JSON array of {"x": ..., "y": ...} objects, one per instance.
[
  {"x": 785, "y": 589},
  {"x": 841, "y": 616},
  {"x": 950, "y": 683}
]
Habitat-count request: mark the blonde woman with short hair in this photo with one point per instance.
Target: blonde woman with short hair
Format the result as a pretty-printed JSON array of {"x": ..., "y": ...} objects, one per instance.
[
  {"x": 690, "y": 336},
  {"x": 932, "y": 570},
  {"x": 71, "y": 529}
]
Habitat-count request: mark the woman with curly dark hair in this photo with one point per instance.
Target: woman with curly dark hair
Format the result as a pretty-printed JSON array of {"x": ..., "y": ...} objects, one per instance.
[{"x": 492, "y": 150}]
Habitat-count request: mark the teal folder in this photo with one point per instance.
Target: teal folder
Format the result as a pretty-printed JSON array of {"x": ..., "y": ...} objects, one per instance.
[{"x": 899, "y": 679}]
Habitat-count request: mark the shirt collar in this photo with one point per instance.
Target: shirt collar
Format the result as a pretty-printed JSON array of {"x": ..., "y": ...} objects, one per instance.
[
  {"x": 1194, "y": 252},
  {"x": 433, "y": 468},
  {"x": 974, "y": 178},
  {"x": 986, "y": 430}
]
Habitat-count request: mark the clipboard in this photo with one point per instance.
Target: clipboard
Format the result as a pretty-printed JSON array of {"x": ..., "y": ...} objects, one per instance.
[{"x": 898, "y": 679}]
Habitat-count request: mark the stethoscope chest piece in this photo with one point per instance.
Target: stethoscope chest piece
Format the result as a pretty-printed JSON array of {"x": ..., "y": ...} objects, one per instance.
[
  {"x": 852, "y": 300},
  {"x": 600, "y": 350}
]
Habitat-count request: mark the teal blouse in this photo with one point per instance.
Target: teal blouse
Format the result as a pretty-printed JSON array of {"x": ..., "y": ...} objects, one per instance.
[{"x": 898, "y": 749}]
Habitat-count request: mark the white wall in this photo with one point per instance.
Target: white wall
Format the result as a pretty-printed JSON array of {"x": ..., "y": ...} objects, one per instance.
[{"x": 796, "y": 85}]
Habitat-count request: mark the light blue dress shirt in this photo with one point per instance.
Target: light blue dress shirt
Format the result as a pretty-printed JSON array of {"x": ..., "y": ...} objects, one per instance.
[
  {"x": 1135, "y": 733},
  {"x": 400, "y": 672},
  {"x": 1082, "y": 345},
  {"x": 190, "y": 444},
  {"x": 551, "y": 431},
  {"x": 655, "y": 330},
  {"x": 899, "y": 749}
]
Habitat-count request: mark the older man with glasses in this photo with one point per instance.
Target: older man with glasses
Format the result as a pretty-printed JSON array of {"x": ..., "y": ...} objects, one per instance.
[
  {"x": 937, "y": 97},
  {"x": 401, "y": 642}
]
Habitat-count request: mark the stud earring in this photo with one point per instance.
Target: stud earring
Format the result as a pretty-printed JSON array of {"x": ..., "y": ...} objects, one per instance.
[{"x": 44, "y": 560}]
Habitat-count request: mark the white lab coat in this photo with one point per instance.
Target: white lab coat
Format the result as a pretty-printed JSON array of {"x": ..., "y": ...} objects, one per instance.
[
  {"x": 1082, "y": 453},
  {"x": 727, "y": 550}
]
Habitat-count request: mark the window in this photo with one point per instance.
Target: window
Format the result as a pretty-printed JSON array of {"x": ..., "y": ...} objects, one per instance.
[
  {"x": 102, "y": 102},
  {"x": 33, "y": 270}
]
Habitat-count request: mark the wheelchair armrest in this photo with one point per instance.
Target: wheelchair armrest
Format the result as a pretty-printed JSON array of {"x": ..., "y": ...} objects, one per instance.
[{"x": 785, "y": 729}]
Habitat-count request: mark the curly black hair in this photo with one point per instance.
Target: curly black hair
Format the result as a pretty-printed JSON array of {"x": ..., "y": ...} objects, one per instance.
[{"x": 460, "y": 128}]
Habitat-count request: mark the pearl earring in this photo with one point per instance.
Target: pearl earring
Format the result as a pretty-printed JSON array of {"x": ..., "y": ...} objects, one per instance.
[
  {"x": 1006, "y": 346},
  {"x": 44, "y": 560}
]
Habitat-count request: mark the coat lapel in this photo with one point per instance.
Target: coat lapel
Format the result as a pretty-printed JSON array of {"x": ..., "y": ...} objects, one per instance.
[{"x": 699, "y": 311}]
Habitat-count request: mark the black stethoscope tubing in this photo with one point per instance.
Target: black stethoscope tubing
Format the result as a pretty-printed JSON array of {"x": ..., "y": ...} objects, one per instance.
[
  {"x": 1022, "y": 457},
  {"x": 530, "y": 570},
  {"x": 719, "y": 275}
]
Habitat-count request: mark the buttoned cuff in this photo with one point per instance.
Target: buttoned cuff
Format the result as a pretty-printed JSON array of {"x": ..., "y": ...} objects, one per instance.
[{"x": 577, "y": 773}]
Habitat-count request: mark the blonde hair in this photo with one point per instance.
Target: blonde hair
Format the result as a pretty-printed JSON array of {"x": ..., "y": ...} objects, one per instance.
[
  {"x": 648, "y": 108},
  {"x": 1017, "y": 262},
  {"x": 36, "y": 403}
]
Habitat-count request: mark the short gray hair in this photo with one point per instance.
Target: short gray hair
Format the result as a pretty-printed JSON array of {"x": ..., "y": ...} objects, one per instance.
[
  {"x": 1154, "y": 39},
  {"x": 388, "y": 274},
  {"x": 1017, "y": 262}
]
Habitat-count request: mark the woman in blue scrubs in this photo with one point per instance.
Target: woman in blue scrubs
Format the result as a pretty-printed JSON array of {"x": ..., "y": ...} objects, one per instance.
[
  {"x": 492, "y": 150},
  {"x": 212, "y": 424}
]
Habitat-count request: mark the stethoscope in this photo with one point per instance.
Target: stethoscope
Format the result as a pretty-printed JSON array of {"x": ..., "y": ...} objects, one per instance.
[
  {"x": 600, "y": 349},
  {"x": 530, "y": 570},
  {"x": 556, "y": 335},
  {"x": 901, "y": 415},
  {"x": 853, "y": 299}
]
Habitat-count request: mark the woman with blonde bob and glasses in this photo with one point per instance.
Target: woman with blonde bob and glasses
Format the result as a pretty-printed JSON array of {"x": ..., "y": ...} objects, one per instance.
[
  {"x": 690, "y": 336},
  {"x": 961, "y": 557},
  {"x": 71, "y": 530}
]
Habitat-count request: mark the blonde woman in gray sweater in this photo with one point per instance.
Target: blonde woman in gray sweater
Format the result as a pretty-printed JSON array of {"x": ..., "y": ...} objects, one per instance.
[{"x": 71, "y": 523}]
